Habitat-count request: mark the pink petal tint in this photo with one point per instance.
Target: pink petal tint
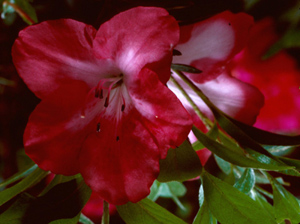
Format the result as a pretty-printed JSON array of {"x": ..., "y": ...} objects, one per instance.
[
  {"x": 277, "y": 77},
  {"x": 209, "y": 45},
  {"x": 105, "y": 111}
]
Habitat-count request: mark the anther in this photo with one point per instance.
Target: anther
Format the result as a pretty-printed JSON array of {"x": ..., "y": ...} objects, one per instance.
[
  {"x": 106, "y": 102},
  {"x": 117, "y": 138},
  {"x": 101, "y": 94},
  {"x": 123, "y": 107},
  {"x": 176, "y": 52},
  {"x": 98, "y": 127},
  {"x": 96, "y": 93}
]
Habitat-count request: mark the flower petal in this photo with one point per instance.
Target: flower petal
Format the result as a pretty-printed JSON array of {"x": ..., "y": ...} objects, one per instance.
[
  {"x": 277, "y": 77},
  {"x": 203, "y": 155},
  {"x": 209, "y": 44},
  {"x": 121, "y": 162},
  {"x": 55, "y": 131},
  {"x": 55, "y": 52},
  {"x": 138, "y": 37},
  {"x": 234, "y": 97}
]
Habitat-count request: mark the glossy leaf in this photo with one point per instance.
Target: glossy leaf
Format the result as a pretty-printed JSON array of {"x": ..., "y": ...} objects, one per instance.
[
  {"x": 172, "y": 189},
  {"x": 225, "y": 166},
  {"x": 290, "y": 172},
  {"x": 236, "y": 155},
  {"x": 265, "y": 137},
  {"x": 291, "y": 162},
  {"x": 35, "y": 177},
  {"x": 285, "y": 204},
  {"x": 262, "y": 179},
  {"x": 230, "y": 206},
  {"x": 146, "y": 211},
  {"x": 18, "y": 176},
  {"x": 204, "y": 216},
  {"x": 279, "y": 150},
  {"x": 263, "y": 202},
  {"x": 180, "y": 164},
  {"x": 197, "y": 146},
  {"x": 85, "y": 220},
  {"x": 247, "y": 181},
  {"x": 63, "y": 203}
]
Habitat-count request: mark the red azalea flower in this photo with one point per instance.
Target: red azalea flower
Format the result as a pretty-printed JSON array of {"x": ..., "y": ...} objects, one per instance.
[
  {"x": 277, "y": 77},
  {"x": 105, "y": 111},
  {"x": 209, "y": 45}
]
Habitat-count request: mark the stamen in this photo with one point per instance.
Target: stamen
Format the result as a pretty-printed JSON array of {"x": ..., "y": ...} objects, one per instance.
[
  {"x": 101, "y": 94},
  {"x": 111, "y": 86},
  {"x": 106, "y": 101},
  {"x": 96, "y": 92},
  {"x": 123, "y": 104},
  {"x": 98, "y": 127},
  {"x": 117, "y": 138}
]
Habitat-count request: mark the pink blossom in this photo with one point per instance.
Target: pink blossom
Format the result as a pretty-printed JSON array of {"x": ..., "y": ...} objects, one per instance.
[
  {"x": 105, "y": 111},
  {"x": 277, "y": 77},
  {"x": 209, "y": 46}
]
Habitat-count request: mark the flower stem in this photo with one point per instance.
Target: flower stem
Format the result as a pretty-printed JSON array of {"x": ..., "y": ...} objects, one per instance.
[
  {"x": 208, "y": 123},
  {"x": 105, "y": 216},
  {"x": 21, "y": 12}
]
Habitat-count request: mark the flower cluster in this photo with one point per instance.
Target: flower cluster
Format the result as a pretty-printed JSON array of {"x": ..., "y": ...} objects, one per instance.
[{"x": 108, "y": 109}]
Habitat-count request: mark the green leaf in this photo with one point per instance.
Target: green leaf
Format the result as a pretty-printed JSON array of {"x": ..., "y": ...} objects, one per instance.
[
  {"x": 146, "y": 211},
  {"x": 285, "y": 204},
  {"x": 63, "y": 203},
  {"x": 36, "y": 176},
  {"x": 291, "y": 162},
  {"x": 230, "y": 206},
  {"x": 18, "y": 176},
  {"x": 180, "y": 164},
  {"x": 204, "y": 215},
  {"x": 262, "y": 179},
  {"x": 185, "y": 68},
  {"x": 58, "y": 179},
  {"x": 288, "y": 40},
  {"x": 291, "y": 172},
  {"x": 225, "y": 166},
  {"x": 279, "y": 150},
  {"x": 197, "y": 146},
  {"x": 236, "y": 155},
  {"x": 213, "y": 133},
  {"x": 171, "y": 190},
  {"x": 24, "y": 9},
  {"x": 247, "y": 181},
  {"x": 263, "y": 202},
  {"x": 265, "y": 137},
  {"x": 154, "y": 191},
  {"x": 85, "y": 220}
]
